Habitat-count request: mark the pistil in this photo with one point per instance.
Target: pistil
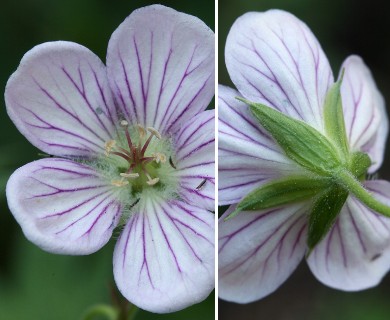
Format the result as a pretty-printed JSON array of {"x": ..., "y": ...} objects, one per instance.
[{"x": 135, "y": 156}]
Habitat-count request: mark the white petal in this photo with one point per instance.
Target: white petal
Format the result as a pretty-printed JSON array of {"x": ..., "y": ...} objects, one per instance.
[
  {"x": 248, "y": 156},
  {"x": 364, "y": 111},
  {"x": 161, "y": 66},
  {"x": 164, "y": 258},
  {"x": 355, "y": 255},
  {"x": 273, "y": 58},
  {"x": 258, "y": 251},
  {"x": 60, "y": 100},
  {"x": 63, "y": 206},
  {"x": 195, "y": 160}
]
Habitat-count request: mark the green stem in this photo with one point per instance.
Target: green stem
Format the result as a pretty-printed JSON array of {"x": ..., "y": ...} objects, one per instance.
[
  {"x": 346, "y": 179},
  {"x": 132, "y": 312},
  {"x": 101, "y": 310}
]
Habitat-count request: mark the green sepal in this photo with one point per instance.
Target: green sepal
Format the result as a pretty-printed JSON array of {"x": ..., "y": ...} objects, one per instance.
[
  {"x": 279, "y": 192},
  {"x": 334, "y": 118},
  {"x": 324, "y": 213},
  {"x": 359, "y": 164},
  {"x": 301, "y": 142}
]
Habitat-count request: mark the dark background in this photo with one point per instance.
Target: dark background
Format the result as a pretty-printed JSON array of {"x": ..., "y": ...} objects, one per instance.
[
  {"x": 36, "y": 285},
  {"x": 343, "y": 27}
]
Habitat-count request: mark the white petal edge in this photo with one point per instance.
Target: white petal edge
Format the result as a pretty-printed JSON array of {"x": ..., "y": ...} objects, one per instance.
[
  {"x": 366, "y": 120},
  {"x": 248, "y": 156},
  {"x": 195, "y": 160},
  {"x": 355, "y": 255},
  {"x": 161, "y": 67},
  {"x": 259, "y": 250},
  {"x": 59, "y": 99},
  {"x": 273, "y": 58},
  {"x": 62, "y": 206},
  {"x": 164, "y": 258}
]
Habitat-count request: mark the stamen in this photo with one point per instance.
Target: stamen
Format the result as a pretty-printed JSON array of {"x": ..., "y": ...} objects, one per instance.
[
  {"x": 108, "y": 146},
  {"x": 124, "y": 156},
  {"x": 141, "y": 131},
  {"x": 124, "y": 123},
  {"x": 151, "y": 181},
  {"x": 129, "y": 175},
  {"x": 159, "y": 157},
  {"x": 120, "y": 183},
  {"x": 154, "y": 132}
]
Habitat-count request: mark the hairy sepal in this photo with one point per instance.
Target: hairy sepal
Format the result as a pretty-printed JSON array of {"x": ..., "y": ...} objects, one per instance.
[
  {"x": 300, "y": 142},
  {"x": 280, "y": 192},
  {"x": 334, "y": 119},
  {"x": 324, "y": 213}
]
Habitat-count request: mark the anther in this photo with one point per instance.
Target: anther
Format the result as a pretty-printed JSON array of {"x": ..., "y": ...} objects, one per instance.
[
  {"x": 124, "y": 123},
  {"x": 129, "y": 175},
  {"x": 159, "y": 157},
  {"x": 151, "y": 181},
  {"x": 108, "y": 146},
  {"x": 154, "y": 132},
  {"x": 141, "y": 131},
  {"x": 120, "y": 183}
]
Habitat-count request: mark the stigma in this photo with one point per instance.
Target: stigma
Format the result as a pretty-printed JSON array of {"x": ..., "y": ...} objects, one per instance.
[{"x": 135, "y": 153}]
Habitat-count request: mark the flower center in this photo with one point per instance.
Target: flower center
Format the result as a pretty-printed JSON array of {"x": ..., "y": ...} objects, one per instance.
[{"x": 138, "y": 166}]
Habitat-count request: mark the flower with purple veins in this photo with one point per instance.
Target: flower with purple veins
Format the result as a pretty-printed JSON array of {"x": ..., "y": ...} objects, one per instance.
[
  {"x": 324, "y": 209},
  {"x": 133, "y": 151}
]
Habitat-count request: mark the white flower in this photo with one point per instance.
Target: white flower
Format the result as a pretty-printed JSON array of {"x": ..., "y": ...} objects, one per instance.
[
  {"x": 131, "y": 145},
  {"x": 274, "y": 59}
]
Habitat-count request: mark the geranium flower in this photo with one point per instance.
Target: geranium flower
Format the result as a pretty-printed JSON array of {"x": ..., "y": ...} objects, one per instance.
[
  {"x": 274, "y": 60},
  {"x": 133, "y": 149}
]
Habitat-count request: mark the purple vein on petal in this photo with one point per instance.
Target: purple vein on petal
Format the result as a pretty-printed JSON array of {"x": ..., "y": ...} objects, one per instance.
[
  {"x": 276, "y": 81},
  {"x": 61, "y": 107},
  {"x": 190, "y": 134},
  {"x": 83, "y": 203},
  {"x": 246, "y": 183},
  {"x": 198, "y": 193},
  {"x": 247, "y": 137},
  {"x": 167, "y": 241},
  {"x": 356, "y": 228},
  {"x": 167, "y": 109},
  {"x": 343, "y": 252},
  {"x": 134, "y": 108},
  {"x": 248, "y": 122},
  {"x": 82, "y": 93},
  {"x": 132, "y": 222},
  {"x": 372, "y": 116},
  {"x": 145, "y": 260},
  {"x": 230, "y": 236},
  {"x": 254, "y": 251},
  {"x": 356, "y": 101},
  {"x": 162, "y": 85},
  {"x": 296, "y": 65},
  {"x": 144, "y": 97},
  {"x": 87, "y": 214},
  {"x": 102, "y": 95},
  {"x": 174, "y": 221},
  {"x": 77, "y": 173},
  {"x": 197, "y": 165},
  {"x": 172, "y": 123},
  {"x": 187, "y": 211},
  {"x": 102, "y": 213},
  {"x": 52, "y": 127},
  {"x": 196, "y": 149}
]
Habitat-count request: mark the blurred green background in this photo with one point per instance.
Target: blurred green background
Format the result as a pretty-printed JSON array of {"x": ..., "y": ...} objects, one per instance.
[
  {"x": 35, "y": 285},
  {"x": 343, "y": 27}
]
